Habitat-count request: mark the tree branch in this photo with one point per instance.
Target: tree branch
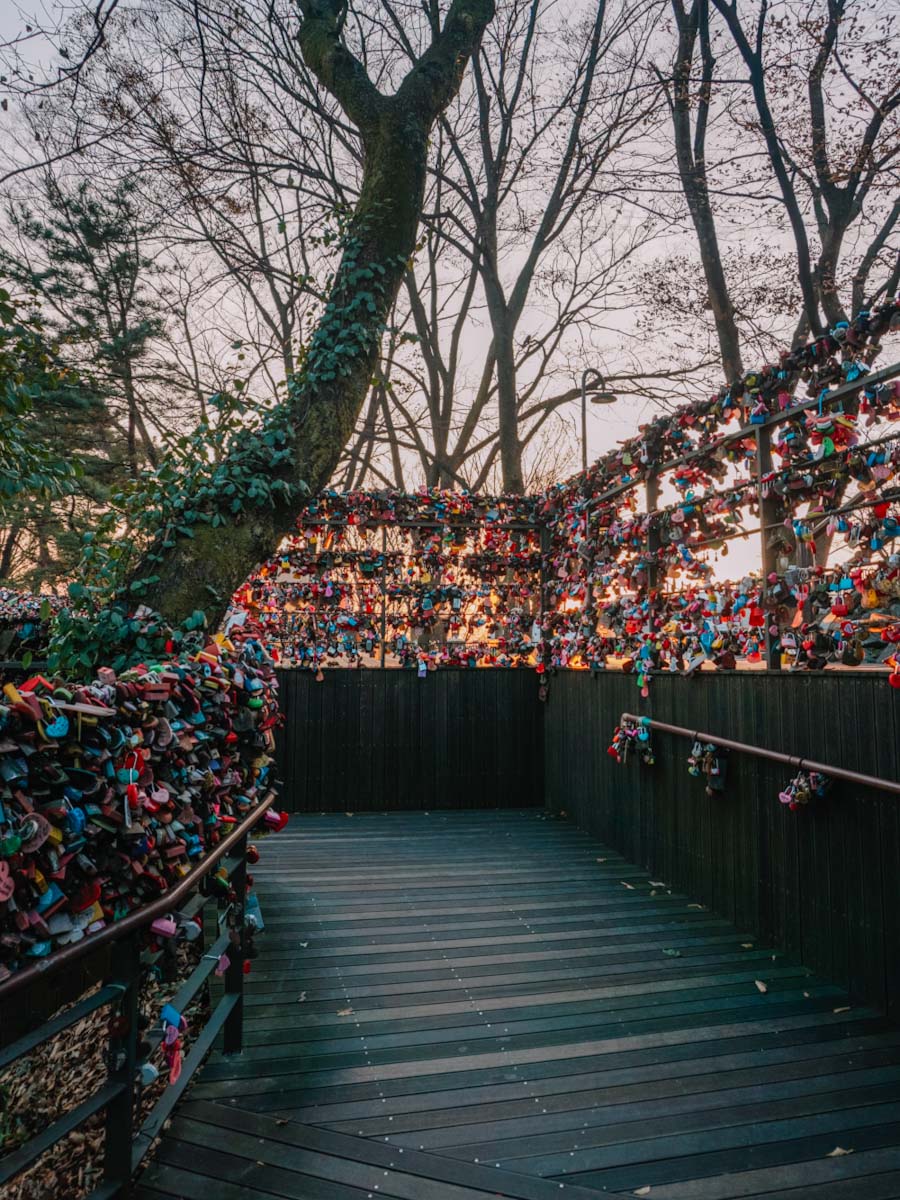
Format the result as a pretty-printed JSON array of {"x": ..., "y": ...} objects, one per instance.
[{"x": 335, "y": 67}]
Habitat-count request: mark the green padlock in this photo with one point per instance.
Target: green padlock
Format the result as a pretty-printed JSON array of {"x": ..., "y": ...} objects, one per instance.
[{"x": 10, "y": 845}]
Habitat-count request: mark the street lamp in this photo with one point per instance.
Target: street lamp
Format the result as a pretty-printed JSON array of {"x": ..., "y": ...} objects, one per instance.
[{"x": 597, "y": 397}]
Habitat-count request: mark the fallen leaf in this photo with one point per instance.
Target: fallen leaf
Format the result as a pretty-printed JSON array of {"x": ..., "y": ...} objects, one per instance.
[
  {"x": 700, "y": 906},
  {"x": 601, "y": 860},
  {"x": 846, "y": 1008},
  {"x": 301, "y": 998},
  {"x": 644, "y": 1191},
  {"x": 630, "y": 886},
  {"x": 344, "y": 1012},
  {"x": 746, "y": 945},
  {"x": 806, "y": 995},
  {"x": 656, "y": 883},
  {"x": 672, "y": 953},
  {"x": 281, "y": 1121},
  {"x": 762, "y": 986},
  {"x": 838, "y": 1152}
]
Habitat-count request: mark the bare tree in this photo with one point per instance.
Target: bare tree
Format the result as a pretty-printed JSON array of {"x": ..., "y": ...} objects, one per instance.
[
  {"x": 526, "y": 235},
  {"x": 690, "y": 111},
  {"x": 313, "y": 59},
  {"x": 784, "y": 122},
  {"x": 533, "y": 164},
  {"x": 823, "y": 101},
  {"x": 326, "y": 395}
]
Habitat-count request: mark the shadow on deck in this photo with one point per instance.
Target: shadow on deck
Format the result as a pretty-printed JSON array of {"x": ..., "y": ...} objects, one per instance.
[{"x": 464, "y": 1005}]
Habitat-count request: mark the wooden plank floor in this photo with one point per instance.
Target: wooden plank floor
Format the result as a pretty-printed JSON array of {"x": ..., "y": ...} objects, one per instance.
[{"x": 465, "y": 1004}]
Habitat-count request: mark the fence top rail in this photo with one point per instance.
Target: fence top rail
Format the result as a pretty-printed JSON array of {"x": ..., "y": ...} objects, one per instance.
[
  {"x": 375, "y": 522},
  {"x": 792, "y": 760},
  {"x": 872, "y": 379},
  {"x": 67, "y": 955}
]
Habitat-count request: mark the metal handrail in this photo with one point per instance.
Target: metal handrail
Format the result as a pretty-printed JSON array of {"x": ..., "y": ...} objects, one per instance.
[
  {"x": 67, "y": 955},
  {"x": 125, "y": 1147},
  {"x": 790, "y": 760}
]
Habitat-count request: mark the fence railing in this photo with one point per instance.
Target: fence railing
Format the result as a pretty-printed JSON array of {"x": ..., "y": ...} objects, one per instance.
[
  {"x": 761, "y": 433},
  {"x": 533, "y": 588},
  {"x": 125, "y": 1142}
]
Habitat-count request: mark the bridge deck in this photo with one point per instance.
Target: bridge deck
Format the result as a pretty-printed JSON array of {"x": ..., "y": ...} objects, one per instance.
[{"x": 463, "y": 1005}]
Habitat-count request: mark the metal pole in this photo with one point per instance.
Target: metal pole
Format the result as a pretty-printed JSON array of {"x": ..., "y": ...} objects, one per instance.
[
  {"x": 768, "y": 513},
  {"x": 383, "y": 592},
  {"x": 652, "y": 500},
  {"x": 599, "y": 398},
  {"x": 584, "y": 459},
  {"x": 542, "y": 607},
  {"x": 123, "y": 1045},
  {"x": 233, "y": 1039}
]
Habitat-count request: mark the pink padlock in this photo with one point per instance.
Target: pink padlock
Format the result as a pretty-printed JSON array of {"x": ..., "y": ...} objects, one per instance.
[{"x": 164, "y": 926}]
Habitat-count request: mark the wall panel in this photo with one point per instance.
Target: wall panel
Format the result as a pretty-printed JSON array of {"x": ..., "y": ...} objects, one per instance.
[
  {"x": 368, "y": 741},
  {"x": 822, "y": 883}
]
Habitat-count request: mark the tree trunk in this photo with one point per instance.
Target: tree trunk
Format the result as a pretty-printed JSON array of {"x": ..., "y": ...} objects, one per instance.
[
  {"x": 9, "y": 546},
  {"x": 752, "y": 56},
  {"x": 826, "y": 270},
  {"x": 690, "y": 151},
  {"x": 202, "y": 572},
  {"x": 873, "y": 250},
  {"x": 326, "y": 396},
  {"x": 893, "y": 284},
  {"x": 508, "y": 414},
  {"x": 396, "y": 460},
  {"x": 503, "y": 331}
]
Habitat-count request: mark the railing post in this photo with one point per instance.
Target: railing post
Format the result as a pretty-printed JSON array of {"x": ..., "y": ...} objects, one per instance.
[
  {"x": 768, "y": 516},
  {"x": 233, "y": 1032},
  {"x": 383, "y": 592},
  {"x": 652, "y": 502},
  {"x": 542, "y": 603},
  {"x": 123, "y": 1047}
]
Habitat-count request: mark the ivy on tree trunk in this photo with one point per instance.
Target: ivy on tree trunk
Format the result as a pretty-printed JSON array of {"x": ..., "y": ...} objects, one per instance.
[{"x": 205, "y": 564}]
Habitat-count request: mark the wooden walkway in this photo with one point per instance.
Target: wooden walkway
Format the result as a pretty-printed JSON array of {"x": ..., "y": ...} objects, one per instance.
[{"x": 463, "y": 1005}]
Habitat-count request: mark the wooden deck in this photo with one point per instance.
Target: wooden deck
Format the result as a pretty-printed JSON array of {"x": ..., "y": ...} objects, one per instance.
[{"x": 464, "y": 1005}]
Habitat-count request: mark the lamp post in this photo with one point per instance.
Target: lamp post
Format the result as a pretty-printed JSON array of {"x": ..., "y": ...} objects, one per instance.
[{"x": 597, "y": 397}]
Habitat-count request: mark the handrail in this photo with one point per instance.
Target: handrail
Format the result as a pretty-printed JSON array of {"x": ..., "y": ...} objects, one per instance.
[
  {"x": 124, "y": 1146},
  {"x": 790, "y": 760},
  {"x": 66, "y": 955}
]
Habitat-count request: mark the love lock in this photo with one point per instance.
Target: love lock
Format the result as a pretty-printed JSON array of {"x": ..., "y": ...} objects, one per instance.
[{"x": 118, "y": 1027}]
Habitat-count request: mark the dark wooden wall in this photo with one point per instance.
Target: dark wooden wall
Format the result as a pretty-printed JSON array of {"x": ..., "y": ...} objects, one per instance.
[
  {"x": 822, "y": 883},
  {"x": 368, "y": 741}
]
